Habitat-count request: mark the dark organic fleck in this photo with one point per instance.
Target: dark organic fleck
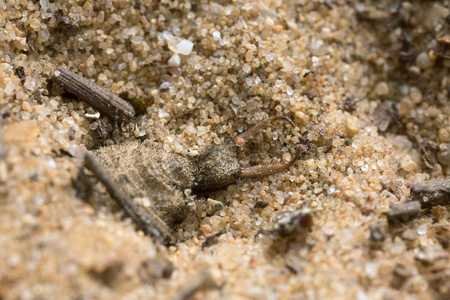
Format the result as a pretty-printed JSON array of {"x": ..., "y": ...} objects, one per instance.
[
  {"x": 109, "y": 275},
  {"x": 66, "y": 22},
  {"x": 289, "y": 222},
  {"x": 20, "y": 72},
  {"x": 383, "y": 117},
  {"x": 291, "y": 269},
  {"x": 349, "y": 103},
  {"x": 311, "y": 95},
  {"x": 376, "y": 233},
  {"x": 261, "y": 203}
]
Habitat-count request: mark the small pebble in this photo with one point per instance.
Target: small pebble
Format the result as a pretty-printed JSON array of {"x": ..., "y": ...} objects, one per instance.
[
  {"x": 185, "y": 47},
  {"x": 382, "y": 89},
  {"x": 423, "y": 61},
  {"x": 174, "y": 61},
  {"x": 415, "y": 94}
]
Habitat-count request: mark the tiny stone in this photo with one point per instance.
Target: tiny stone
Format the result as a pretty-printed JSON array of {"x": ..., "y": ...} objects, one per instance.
[
  {"x": 185, "y": 47},
  {"x": 174, "y": 61},
  {"x": 422, "y": 229},
  {"x": 270, "y": 57},
  {"x": 167, "y": 35},
  {"x": 215, "y": 220},
  {"x": 409, "y": 234},
  {"x": 261, "y": 203},
  {"x": 423, "y": 61},
  {"x": 35, "y": 24},
  {"x": 145, "y": 202},
  {"x": 216, "y": 35},
  {"x": 415, "y": 94},
  {"x": 136, "y": 39},
  {"x": 382, "y": 89},
  {"x": 246, "y": 68},
  {"x": 289, "y": 91},
  {"x": 408, "y": 164},
  {"x": 102, "y": 77},
  {"x": 352, "y": 126},
  {"x": 53, "y": 104}
]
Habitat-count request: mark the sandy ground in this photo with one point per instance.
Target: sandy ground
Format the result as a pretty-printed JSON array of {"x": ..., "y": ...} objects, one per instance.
[{"x": 367, "y": 85}]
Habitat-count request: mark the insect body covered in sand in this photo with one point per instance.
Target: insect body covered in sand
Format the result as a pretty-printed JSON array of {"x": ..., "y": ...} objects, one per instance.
[
  {"x": 158, "y": 179},
  {"x": 134, "y": 171}
]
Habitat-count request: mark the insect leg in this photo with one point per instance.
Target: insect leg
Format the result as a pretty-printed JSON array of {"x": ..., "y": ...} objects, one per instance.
[{"x": 261, "y": 171}]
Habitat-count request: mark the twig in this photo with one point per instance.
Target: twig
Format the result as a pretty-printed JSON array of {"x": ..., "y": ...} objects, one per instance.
[
  {"x": 114, "y": 107},
  {"x": 403, "y": 210},
  {"x": 432, "y": 193},
  {"x": 142, "y": 218}
]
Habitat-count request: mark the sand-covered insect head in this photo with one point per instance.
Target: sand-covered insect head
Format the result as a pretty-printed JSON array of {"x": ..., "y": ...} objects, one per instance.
[{"x": 218, "y": 166}]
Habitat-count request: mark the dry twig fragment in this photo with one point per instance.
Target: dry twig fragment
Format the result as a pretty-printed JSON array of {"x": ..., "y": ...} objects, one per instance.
[
  {"x": 432, "y": 193},
  {"x": 109, "y": 104}
]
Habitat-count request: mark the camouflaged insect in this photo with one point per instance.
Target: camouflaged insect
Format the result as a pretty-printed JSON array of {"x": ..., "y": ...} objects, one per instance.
[
  {"x": 145, "y": 172},
  {"x": 134, "y": 171}
]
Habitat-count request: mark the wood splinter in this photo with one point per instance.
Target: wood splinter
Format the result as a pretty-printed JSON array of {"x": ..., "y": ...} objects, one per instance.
[{"x": 107, "y": 103}]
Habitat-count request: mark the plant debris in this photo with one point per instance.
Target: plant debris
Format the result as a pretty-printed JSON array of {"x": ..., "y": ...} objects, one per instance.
[
  {"x": 106, "y": 102},
  {"x": 404, "y": 211},
  {"x": 431, "y": 193}
]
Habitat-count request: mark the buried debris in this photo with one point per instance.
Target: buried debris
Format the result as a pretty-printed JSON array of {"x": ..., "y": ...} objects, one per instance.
[
  {"x": 289, "y": 222},
  {"x": 424, "y": 196},
  {"x": 403, "y": 211}
]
